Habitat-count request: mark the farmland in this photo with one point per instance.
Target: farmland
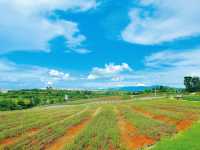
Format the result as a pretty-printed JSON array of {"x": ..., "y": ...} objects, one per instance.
[{"x": 104, "y": 124}]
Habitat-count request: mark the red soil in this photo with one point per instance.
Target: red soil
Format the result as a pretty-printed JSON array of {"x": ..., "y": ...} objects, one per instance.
[
  {"x": 142, "y": 141},
  {"x": 32, "y": 131},
  {"x": 67, "y": 137},
  {"x": 13, "y": 140},
  {"x": 8, "y": 141},
  {"x": 50, "y": 130},
  {"x": 184, "y": 124},
  {"x": 180, "y": 125},
  {"x": 140, "y": 110},
  {"x": 129, "y": 127},
  {"x": 130, "y": 136},
  {"x": 162, "y": 118},
  {"x": 165, "y": 119},
  {"x": 111, "y": 147},
  {"x": 70, "y": 134}
]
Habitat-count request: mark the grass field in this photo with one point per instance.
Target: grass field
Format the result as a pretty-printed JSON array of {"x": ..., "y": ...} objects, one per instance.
[{"x": 110, "y": 124}]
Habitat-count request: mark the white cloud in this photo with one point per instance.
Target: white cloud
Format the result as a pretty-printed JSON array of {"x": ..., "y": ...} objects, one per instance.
[
  {"x": 184, "y": 58},
  {"x": 158, "y": 21},
  {"x": 55, "y": 73},
  {"x": 24, "y": 24},
  {"x": 49, "y": 83},
  {"x": 82, "y": 51},
  {"x": 110, "y": 70},
  {"x": 109, "y": 84},
  {"x": 58, "y": 75},
  {"x": 27, "y": 76},
  {"x": 169, "y": 67}
]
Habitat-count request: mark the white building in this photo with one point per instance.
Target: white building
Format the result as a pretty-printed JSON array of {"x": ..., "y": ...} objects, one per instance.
[{"x": 66, "y": 97}]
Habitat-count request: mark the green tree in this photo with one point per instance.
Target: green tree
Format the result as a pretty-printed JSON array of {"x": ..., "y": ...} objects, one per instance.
[{"x": 192, "y": 84}]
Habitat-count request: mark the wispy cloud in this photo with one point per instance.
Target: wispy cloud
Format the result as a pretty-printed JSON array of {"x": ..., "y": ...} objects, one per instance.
[
  {"x": 157, "y": 21},
  {"x": 184, "y": 58},
  {"x": 169, "y": 67},
  {"x": 25, "y": 24}
]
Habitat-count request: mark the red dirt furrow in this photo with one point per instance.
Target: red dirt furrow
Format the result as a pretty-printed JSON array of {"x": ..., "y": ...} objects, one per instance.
[
  {"x": 146, "y": 113},
  {"x": 131, "y": 137},
  {"x": 13, "y": 140},
  {"x": 29, "y": 132},
  {"x": 8, "y": 141},
  {"x": 180, "y": 125},
  {"x": 162, "y": 118},
  {"x": 70, "y": 134},
  {"x": 142, "y": 141},
  {"x": 165, "y": 119},
  {"x": 67, "y": 137},
  {"x": 184, "y": 124}
]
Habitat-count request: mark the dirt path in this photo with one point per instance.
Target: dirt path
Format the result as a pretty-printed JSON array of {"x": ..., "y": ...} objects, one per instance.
[
  {"x": 71, "y": 133},
  {"x": 131, "y": 136}
]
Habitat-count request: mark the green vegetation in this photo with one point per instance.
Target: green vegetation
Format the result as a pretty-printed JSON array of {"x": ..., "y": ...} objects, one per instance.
[
  {"x": 146, "y": 125},
  {"x": 192, "y": 84},
  {"x": 20, "y": 122},
  {"x": 23, "y": 99},
  {"x": 101, "y": 133},
  {"x": 188, "y": 140},
  {"x": 94, "y": 125},
  {"x": 192, "y": 97}
]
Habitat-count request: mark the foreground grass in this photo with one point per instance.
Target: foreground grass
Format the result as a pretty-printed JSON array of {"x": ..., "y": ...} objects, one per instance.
[
  {"x": 102, "y": 133},
  {"x": 188, "y": 140},
  {"x": 42, "y": 127},
  {"x": 19, "y": 122}
]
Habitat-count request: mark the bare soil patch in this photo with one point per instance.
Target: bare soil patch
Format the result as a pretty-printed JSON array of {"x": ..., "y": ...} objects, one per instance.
[
  {"x": 131, "y": 137},
  {"x": 8, "y": 141},
  {"x": 184, "y": 124}
]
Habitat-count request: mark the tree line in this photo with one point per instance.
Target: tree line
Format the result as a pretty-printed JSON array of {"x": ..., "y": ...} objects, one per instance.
[
  {"x": 192, "y": 84},
  {"x": 23, "y": 99}
]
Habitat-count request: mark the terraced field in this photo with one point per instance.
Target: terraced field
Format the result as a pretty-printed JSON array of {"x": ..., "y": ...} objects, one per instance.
[{"x": 103, "y": 125}]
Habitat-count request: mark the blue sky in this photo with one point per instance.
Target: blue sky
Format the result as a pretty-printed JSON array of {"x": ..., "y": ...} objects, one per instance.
[{"x": 98, "y": 43}]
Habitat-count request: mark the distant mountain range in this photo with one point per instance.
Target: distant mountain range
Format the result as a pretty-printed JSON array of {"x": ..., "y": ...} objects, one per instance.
[{"x": 133, "y": 88}]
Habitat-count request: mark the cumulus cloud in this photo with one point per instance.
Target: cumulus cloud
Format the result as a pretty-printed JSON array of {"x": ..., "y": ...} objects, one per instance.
[
  {"x": 167, "y": 67},
  {"x": 25, "y": 24},
  {"x": 59, "y": 75},
  {"x": 157, "y": 21},
  {"x": 110, "y": 70}
]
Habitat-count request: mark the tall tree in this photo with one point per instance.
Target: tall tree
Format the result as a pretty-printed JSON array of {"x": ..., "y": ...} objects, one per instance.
[{"x": 192, "y": 84}]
